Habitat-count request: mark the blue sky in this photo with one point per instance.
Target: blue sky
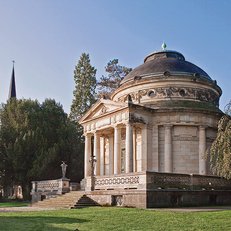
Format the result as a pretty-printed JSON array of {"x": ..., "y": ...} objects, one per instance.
[{"x": 47, "y": 37}]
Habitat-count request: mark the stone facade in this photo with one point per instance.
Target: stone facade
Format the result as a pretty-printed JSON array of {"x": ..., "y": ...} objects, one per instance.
[{"x": 161, "y": 119}]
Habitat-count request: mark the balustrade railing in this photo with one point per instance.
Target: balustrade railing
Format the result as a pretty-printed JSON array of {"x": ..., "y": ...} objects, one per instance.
[
  {"x": 58, "y": 186},
  {"x": 155, "y": 180},
  {"x": 186, "y": 181}
]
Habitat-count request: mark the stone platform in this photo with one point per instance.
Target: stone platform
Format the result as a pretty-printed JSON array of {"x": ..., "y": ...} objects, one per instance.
[
  {"x": 161, "y": 198},
  {"x": 141, "y": 190},
  {"x": 152, "y": 189}
]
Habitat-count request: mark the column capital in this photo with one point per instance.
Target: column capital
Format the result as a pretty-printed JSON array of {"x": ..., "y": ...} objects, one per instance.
[
  {"x": 128, "y": 124},
  {"x": 88, "y": 134},
  {"x": 118, "y": 126},
  {"x": 168, "y": 126},
  {"x": 202, "y": 127},
  {"x": 144, "y": 125},
  {"x": 96, "y": 133}
]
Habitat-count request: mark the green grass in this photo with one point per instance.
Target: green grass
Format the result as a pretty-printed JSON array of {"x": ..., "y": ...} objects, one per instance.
[
  {"x": 13, "y": 204},
  {"x": 98, "y": 219}
]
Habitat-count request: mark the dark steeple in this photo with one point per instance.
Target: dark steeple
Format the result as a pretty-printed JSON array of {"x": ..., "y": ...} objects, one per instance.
[{"x": 12, "y": 90}]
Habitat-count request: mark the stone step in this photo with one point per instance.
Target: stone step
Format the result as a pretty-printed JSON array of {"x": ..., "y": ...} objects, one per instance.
[
  {"x": 67, "y": 200},
  {"x": 85, "y": 201},
  {"x": 57, "y": 202}
]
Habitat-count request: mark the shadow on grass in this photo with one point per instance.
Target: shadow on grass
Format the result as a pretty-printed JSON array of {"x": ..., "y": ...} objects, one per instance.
[{"x": 39, "y": 223}]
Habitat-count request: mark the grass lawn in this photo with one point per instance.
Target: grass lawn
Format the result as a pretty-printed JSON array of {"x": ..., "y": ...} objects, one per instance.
[
  {"x": 13, "y": 204},
  {"x": 98, "y": 219}
]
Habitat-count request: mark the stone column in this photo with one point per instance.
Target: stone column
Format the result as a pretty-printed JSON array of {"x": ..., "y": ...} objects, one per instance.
[
  {"x": 102, "y": 156},
  {"x": 97, "y": 153},
  {"x": 202, "y": 150},
  {"x": 117, "y": 149},
  {"x": 134, "y": 151},
  {"x": 111, "y": 155},
  {"x": 144, "y": 153},
  {"x": 168, "y": 162},
  {"x": 129, "y": 148},
  {"x": 87, "y": 155},
  {"x": 155, "y": 148}
]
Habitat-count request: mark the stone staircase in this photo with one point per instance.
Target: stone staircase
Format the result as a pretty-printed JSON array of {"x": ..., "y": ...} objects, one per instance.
[
  {"x": 84, "y": 201},
  {"x": 73, "y": 199},
  {"x": 66, "y": 200}
]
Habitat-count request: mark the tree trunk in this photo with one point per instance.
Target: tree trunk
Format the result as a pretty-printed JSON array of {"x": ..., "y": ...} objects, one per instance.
[{"x": 26, "y": 188}]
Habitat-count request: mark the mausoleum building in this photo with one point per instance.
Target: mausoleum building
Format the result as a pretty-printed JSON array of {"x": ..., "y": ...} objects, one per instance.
[
  {"x": 157, "y": 125},
  {"x": 162, "y": 118}
]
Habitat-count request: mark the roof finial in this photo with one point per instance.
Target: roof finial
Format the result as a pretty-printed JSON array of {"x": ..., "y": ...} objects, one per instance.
[{"x": 163, "y": 46}]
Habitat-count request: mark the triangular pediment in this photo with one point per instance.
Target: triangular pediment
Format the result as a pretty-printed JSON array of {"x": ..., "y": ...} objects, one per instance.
[{"x": 101, "y": 108}]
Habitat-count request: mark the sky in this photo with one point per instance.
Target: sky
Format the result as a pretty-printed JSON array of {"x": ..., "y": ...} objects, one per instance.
[{"x": 47, "y": 37}]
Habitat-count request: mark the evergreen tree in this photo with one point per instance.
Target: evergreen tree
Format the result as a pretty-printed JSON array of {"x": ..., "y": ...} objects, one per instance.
[
  {"x": 84, "y": 97},
  {"x": 220, "y": 151},
  {"x": 111, "y": 82},
  {"x": 85, "y": 84},
  {"x": 16, "y": 142},
  {"x": 34, "y": 139}
]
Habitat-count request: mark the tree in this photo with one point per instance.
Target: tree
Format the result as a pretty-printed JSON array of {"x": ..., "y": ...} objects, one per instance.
[
  {"x": 85, "y": 84},
  {"x": 16, "y": 148},
  {"x": 116, "y": 73},
  {"x": 84, "y": 97},
  {"x": 220, "y": 151},
  {"x": 34, "y": 139}
]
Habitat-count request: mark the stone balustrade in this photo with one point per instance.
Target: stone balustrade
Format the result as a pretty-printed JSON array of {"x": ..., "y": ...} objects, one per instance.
[
  {"x": 186, "y": 181},
  {"x": 157, "y": 181},
  {"x": 124, "y": 181},
  {"x": 47, "y": 188}
]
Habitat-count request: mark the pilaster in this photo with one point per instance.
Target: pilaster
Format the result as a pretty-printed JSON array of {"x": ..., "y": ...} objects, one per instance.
[
  {"x": 168, "y": 159},
  {"x": 102, "y": 155},
  {"x": 129, "y": 148},
  {"x": 97, "y": 153},
  {"x": 111, "y": 155},
  {"x": 144, "y": 135},
  {"x": 87, "y": 155},
  {"x": 202, "y": 150},
  {"x": 155, "y": 148},
  {"x": 117, "y": 149}
]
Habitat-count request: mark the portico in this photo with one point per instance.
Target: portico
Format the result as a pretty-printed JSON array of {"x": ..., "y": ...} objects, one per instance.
[{"x": 117, "y": 149}]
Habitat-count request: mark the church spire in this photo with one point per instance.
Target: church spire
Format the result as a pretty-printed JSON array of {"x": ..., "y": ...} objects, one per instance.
[{"x": 12, "y": 89}]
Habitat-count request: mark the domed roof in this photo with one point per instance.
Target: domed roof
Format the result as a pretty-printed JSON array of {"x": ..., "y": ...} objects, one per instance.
[{"x": 165, "y": 62}]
